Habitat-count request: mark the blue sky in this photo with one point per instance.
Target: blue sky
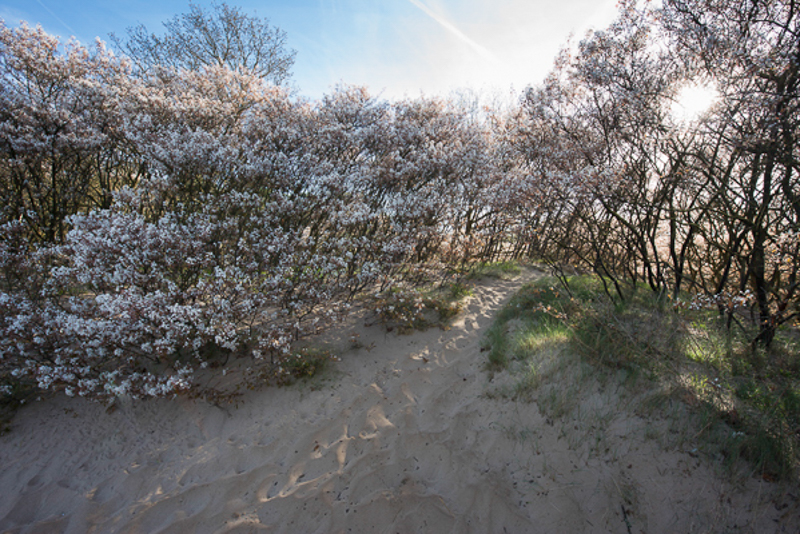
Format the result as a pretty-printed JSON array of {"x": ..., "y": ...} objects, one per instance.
[{"x": 395, "y": 47}]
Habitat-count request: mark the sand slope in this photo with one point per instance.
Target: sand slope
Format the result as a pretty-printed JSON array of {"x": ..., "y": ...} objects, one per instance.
[{"x": 399, "y": 437}]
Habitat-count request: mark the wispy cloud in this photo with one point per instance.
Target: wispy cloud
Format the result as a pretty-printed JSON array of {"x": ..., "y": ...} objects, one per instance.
[
  {"x": 447, "y": 25},
  {"x": 67, "y": 26}
]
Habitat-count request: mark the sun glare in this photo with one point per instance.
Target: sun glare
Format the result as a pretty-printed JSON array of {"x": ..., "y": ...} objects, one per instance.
[{"x": 694, "y": 100}]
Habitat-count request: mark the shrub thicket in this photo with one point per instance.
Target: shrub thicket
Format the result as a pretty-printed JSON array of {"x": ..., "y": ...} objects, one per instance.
[{"x": 153, "y": 216}]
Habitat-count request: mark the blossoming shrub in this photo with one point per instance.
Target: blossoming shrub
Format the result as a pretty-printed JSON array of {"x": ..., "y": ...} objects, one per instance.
[
  {"x": 60, "y": 122},
  {"x": 206, "y": 212}
]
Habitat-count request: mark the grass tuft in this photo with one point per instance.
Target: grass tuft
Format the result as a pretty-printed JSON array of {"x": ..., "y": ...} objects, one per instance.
[
  {"x": 500, "y": 269},
  {"x": 737, "y": 404},
  {"x": 301, "y": 364},
  {"x": 410, "y": 309}
]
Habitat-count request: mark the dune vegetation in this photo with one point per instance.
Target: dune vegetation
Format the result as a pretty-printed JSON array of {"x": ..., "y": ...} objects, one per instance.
[{"x": 159, "y": 220}]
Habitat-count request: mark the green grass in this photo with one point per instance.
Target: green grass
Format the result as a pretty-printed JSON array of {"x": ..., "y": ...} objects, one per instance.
[
  {"x": 734, "y": 403},
  {"x": 302, "y": 364},
  {"x": 410, "y": 309},
  {"x": 499, "y": 269},
  {"x": 458, "y": 291}
]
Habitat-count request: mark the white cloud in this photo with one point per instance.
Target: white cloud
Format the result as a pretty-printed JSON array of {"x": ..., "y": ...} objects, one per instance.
[
  {"x": 404, "y": 47},
  {"x": 60, "y": 21},
  {"x": 447, "y": 25}
]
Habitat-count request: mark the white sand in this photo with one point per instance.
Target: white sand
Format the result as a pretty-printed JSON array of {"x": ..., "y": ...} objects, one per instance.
[{"x": 397, "y": 438}]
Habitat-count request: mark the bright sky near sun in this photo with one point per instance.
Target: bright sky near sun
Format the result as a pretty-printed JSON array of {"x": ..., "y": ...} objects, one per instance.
[{"x": 394, "y": 47}]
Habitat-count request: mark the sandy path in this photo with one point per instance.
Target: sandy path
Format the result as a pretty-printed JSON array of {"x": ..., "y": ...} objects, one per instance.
[{"x": 398, "y": 438}]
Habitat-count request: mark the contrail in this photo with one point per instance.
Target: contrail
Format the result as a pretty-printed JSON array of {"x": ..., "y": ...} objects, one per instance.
[
  {"x": 482, "y": 51},
  {"x": 67, "y": 26}
]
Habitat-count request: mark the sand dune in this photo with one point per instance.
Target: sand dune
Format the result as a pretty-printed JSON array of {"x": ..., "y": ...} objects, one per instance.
[{"x": 397, "y": 437}]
